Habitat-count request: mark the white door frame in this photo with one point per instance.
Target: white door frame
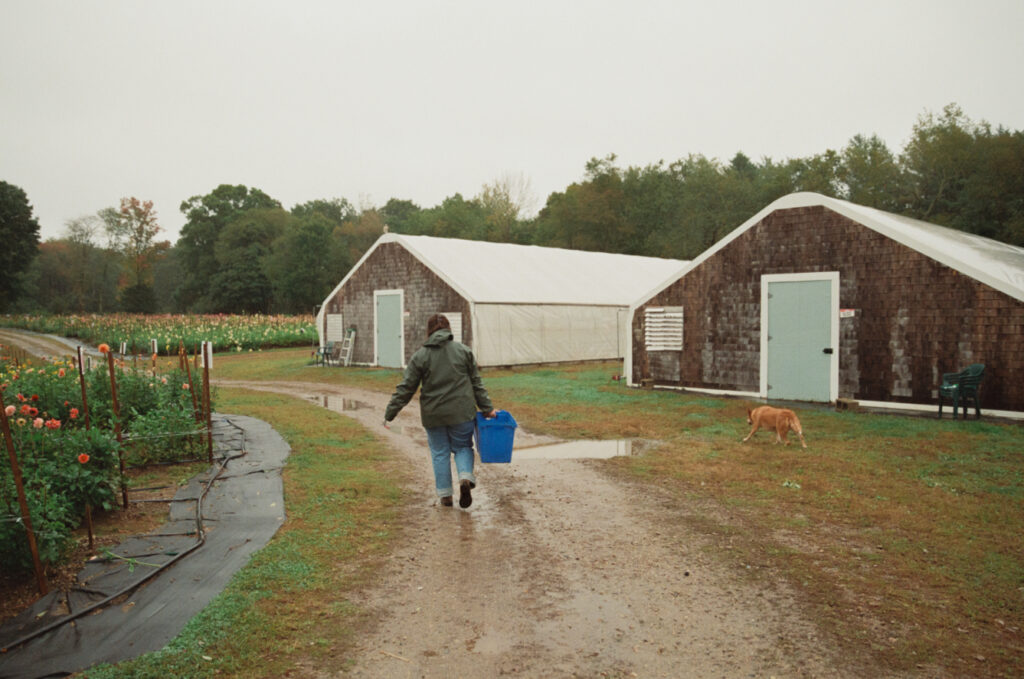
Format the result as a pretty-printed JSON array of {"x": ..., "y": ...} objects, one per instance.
[
  {"x": 833, "y": 278},
  {"x": 401, "y": 321}
]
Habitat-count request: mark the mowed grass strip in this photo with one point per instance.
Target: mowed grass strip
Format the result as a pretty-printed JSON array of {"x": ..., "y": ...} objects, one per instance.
[
  {"x": 288, "y": 606},
  {"x": 298, "y": 365}
]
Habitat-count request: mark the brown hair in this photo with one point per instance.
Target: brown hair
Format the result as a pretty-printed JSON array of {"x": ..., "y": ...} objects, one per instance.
[{"x": 437, "y": 322}]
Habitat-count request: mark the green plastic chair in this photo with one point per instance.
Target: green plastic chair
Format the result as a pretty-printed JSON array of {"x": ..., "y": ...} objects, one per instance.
[
  {"x": 325, "y": 354},
  {"x": 962, "y": 387}
]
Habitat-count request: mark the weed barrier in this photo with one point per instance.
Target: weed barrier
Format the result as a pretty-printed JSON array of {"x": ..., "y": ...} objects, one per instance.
[{"x": 137, "y": 597}]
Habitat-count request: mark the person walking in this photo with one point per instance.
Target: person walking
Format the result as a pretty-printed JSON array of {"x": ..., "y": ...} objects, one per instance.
[{"x": 451, "y": 391}]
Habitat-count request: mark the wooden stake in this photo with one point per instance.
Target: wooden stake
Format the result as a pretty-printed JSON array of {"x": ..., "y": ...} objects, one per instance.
[
  {"x": 81, "y": 380},
  {"x": 88, "y": 524},
  {"x": 191, "y": 387},
  {"x": 117, "y": 426}
]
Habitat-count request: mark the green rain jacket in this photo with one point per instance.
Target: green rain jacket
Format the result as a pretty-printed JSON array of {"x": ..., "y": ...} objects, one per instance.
[{"x": 451, "y": 386}]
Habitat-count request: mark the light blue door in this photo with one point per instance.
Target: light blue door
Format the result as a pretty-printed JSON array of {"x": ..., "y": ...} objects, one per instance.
[
  {"x": 388, "y": 319},
  {"x": 799, "y": 347}
]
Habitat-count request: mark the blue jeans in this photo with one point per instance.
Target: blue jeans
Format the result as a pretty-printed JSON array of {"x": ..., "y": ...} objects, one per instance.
[{"x": 443, "y": 442}]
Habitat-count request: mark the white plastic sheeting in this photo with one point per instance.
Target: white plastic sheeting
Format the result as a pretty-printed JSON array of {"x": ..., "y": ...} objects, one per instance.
[
  {"x": 999, "y": 265},
  {"x": 505, "y": 273},
  {"x": 516, "y": 334}
]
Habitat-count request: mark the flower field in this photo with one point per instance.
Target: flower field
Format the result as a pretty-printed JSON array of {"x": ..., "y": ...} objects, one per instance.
[
  {"x": 228, "y": 333},
  {"x": 67, "y": 466}
]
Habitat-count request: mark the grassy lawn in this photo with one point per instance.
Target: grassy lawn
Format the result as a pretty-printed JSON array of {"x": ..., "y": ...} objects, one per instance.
[{"x": 901, "y": 534}]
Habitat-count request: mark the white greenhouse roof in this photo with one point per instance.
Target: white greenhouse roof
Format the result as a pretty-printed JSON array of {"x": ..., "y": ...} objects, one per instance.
[
  {"x": 495, "y": 273},
  {"x": 998, "y": 265}
]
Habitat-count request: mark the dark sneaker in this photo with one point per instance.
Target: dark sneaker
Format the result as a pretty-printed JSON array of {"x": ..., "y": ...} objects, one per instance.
[
  {"x": 446, "y": 501},
  {"x": 465, "y": 497}
]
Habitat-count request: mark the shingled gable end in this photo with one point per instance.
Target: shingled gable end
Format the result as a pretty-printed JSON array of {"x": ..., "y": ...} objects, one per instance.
[
  {"x": 869, "y": 305},
  {"x": 512, "y": 304}
]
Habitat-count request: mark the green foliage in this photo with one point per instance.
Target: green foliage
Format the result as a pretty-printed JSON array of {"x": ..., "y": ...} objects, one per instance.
[
  {"x": 157, "y": 436},
  {"x": 19, "y": 234},
  {"x": 51, "y": 516},
  {"x": 138, "y": 299},
  {"x": 207, "y": 217},
  {"x": 66, "y": 467},
  {"x": 302, "y": 264}
]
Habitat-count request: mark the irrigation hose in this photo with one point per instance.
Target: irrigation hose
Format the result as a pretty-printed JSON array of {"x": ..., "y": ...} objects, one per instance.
[{"x": 200, "y": 531}]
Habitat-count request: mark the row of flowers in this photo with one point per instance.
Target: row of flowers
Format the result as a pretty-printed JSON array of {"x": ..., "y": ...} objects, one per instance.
[
  {"x": 137, "y": 332},
  {"x": 67, "y": 466}
]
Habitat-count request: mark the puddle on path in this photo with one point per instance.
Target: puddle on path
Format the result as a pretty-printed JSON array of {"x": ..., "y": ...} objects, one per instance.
[
  {"x": 338, "y": 404},
  {"x": 577, "y": 450}
]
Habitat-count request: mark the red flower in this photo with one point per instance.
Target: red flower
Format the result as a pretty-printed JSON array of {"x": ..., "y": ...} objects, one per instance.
[
  {"x": 83, "y": 458},
  {"x": 32, "y": 412},
  {"x": 22, "y": 398},
  {"x": 25, "y": 409},
  {"x": 73, "y": 414},
  {"x": 61, "y": 373},
  {"x": 35, "y": 397},
  {"x": 104, "y": 348},
  {"x": 53, "y": 424}
]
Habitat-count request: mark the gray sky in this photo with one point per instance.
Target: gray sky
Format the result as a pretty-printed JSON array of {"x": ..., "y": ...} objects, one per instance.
[{"x": 419, "y": 100}]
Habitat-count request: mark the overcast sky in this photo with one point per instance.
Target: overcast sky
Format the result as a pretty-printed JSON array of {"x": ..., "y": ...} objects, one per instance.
[{"x": 419, "y": 100}]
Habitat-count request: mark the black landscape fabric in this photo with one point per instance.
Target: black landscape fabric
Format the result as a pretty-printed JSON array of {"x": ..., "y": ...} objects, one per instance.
[{"x": 241, "y": 503}]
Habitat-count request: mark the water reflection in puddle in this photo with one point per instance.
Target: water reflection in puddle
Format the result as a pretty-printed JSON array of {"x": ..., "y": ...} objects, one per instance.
[
  {"x": 338, "y": 404},
  {"x": 347, "y": 405},
  {"x": 576, "y": 450}
]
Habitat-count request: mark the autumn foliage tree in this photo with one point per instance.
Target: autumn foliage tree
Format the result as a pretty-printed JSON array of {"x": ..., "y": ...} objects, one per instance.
[{"x": 134, "y": 232}]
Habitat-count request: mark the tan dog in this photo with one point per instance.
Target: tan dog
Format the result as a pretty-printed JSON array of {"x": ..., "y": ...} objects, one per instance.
[{"x": 781, "y": 420}]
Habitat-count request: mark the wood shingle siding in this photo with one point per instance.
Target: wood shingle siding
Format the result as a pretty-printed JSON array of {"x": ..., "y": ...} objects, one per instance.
[
  {"x": 913, "y": 317},
  {"x": 392, "y": 267}
]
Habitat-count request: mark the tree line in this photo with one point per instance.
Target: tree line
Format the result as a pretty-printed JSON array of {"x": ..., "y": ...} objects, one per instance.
[{"x": 241, "y": 251}]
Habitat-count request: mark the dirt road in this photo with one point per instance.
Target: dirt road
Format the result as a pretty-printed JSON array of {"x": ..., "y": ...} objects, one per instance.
[
  {"x": 37, "y": 344},
  {"x": 557, "y": 570}
]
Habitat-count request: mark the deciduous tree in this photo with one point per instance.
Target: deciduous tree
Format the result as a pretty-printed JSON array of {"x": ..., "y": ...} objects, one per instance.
[
  {"x": 207, "y": 216},
  {"x": 19, "y": 241}
]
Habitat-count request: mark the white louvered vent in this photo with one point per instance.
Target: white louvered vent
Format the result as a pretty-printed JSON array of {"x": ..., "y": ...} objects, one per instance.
[{"x": 663, "y": 328}]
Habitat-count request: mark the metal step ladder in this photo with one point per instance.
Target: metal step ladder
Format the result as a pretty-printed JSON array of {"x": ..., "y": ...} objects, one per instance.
[{"x": 346, "y": 347}]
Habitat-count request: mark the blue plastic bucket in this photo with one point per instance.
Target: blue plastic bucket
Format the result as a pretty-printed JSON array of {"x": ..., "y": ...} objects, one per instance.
[{"x": 494, "y": 436}]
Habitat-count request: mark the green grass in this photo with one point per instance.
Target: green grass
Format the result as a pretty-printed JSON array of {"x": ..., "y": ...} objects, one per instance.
[{"x": 288, "y": 604}]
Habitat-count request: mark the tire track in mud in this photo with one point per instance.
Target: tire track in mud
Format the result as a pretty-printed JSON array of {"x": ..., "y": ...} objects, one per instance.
[{"x": 557, "y": 570}]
